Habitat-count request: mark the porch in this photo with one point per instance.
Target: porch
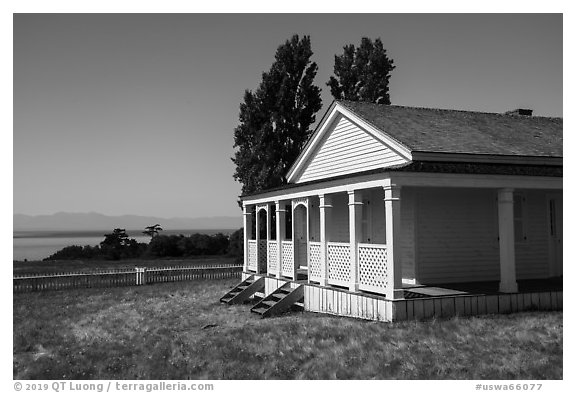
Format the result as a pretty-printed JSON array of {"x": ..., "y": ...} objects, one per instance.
[
  {"x": 409, "y": 238},
  {"x": 422, "y": 302}
]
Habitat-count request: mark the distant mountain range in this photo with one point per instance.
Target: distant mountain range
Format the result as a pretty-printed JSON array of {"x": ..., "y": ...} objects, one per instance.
[{"x": 97, "y": 221}]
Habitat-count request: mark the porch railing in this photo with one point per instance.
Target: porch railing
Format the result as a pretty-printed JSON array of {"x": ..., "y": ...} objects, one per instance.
[
  {"x": 288, "y": 258},
  {"x": 338, "y": 263},
  {"x": 314, "y": 261},
  {"x": 252, "y": 261},
  {"x": 372, "y": 267},
  {"x": 372, "y": 262},
  {"x": 272, "y": 256}
]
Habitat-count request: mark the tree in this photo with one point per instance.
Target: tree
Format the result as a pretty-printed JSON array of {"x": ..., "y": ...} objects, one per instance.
[
  {"x": 117, "y": 245},
  {"x": 152, "y": 230},
  {"x": 275, "y": 118},
  {"x": 363, "y": 73},
  {"x": 118, "y": 238}
]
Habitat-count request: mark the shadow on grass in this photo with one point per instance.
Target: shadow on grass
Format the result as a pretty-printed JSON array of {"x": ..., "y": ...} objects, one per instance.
[{"x": 181, "y": 331}]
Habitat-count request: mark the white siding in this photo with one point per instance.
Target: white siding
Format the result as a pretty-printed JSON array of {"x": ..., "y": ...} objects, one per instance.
[
  {"x": 457, "y": 236},
  {"x": 314, "y": 219},
  {"x": 348, "y": 149},
  {"x": 378, "y": 221},
  {"x": 408, "y": 230},
  {"x": 340, "y": 230}
]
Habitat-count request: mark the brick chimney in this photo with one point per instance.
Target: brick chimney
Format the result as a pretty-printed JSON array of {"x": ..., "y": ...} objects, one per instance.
[{"x": 520, "y": 112}]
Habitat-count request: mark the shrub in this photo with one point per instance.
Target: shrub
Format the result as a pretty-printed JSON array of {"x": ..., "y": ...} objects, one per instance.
[
  {"x": 75, "y": 252},
  {"x": 165, "y": 246},
  {"x": 236, "y": 245}
]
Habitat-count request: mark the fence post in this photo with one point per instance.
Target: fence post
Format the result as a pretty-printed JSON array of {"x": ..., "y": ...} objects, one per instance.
[{"x": 140, "y": 276}]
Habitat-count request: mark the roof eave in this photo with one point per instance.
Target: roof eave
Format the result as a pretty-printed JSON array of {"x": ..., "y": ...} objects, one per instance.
[{"x": 486, "y": 158}]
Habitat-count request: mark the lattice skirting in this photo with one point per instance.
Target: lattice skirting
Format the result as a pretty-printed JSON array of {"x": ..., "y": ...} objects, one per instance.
[
  {"x": 252, "y": 263},
  {"x": 272, "y": 256},
  {"x": 314, "y": 261},
  {"x": 338, "y": 263},
  {"x": 288, "y": 259},
  {"x": 373, "y": 268}
]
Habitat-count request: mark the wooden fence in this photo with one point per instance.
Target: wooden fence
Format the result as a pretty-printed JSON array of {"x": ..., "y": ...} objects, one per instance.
[{"x": 122, "y": 277}]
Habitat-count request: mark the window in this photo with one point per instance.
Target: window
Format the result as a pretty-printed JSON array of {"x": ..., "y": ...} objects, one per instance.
[
  {"x": 366, "y": 221},
  {"x": 552, "y": 217},
  {"x": 519, "y": 218},
  {"x": 288, "y": 222},
  {"x": 273, "y": 222}
]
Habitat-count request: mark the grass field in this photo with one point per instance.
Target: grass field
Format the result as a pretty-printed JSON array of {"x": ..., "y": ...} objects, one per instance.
[
  {"x": 19, "y": 267},
  {"x": 180, "y": 331}
]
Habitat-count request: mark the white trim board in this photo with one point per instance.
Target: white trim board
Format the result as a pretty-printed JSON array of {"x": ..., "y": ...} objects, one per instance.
[
  {"x": 408, "y": 179},
  {"x": 323, "y": 134}
]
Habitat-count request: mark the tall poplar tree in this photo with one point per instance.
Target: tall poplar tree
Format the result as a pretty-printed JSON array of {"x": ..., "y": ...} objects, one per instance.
[
  {"x": 275, "y": 119},
  {"x": 363, "y": 73}
]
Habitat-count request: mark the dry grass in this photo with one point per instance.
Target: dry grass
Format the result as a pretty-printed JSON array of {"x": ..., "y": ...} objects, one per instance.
[{"x": 180, "y": 331}]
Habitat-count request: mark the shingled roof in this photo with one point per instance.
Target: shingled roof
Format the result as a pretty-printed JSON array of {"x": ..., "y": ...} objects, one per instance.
[{"x": 452, "y": 131}]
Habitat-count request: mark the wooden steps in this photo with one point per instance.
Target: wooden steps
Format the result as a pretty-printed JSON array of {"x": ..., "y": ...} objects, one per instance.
[
  {"x": 242, "y": 292},
  {"x": 279, "y": 301}
]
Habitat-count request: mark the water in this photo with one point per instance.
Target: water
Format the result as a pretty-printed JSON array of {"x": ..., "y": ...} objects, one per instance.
[{"x": 37, "y": 245}]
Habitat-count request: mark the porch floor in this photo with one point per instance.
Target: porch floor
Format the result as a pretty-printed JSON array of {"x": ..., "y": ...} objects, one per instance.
[
  {"x": 480, "y": 288},
  {"x": 416, "y": 291}
]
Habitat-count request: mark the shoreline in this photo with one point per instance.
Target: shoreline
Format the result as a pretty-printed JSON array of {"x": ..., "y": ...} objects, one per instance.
[
  {"x": 51, "y": 233},
  {"x": 85, "y": 265},
  {"x": 39, "y": 244}
]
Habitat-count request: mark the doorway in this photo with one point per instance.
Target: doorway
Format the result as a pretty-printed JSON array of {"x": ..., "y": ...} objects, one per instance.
[
  {"x": 555, "y": 233},
  {"x": 301, "y": 236},
  {"x": 263, "y": 243}
]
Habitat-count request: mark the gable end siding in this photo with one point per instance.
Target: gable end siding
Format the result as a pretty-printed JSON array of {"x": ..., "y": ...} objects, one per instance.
[{"x": 349, "y": 149}]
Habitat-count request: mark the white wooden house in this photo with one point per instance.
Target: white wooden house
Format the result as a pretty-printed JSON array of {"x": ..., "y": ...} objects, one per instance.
[{"x": 394, "y": 213}]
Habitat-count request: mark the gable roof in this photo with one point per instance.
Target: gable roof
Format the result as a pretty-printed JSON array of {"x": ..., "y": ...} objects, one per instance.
[
  {"x": 452, "y": 131},
  {"x": 425, "y": 134},
  {"x": 346, "y": 148}
]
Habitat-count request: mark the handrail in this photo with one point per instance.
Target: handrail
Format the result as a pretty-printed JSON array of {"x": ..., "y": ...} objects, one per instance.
[
  {"x": 372, "y": 245},
  {"x": 338, "y": 244}
]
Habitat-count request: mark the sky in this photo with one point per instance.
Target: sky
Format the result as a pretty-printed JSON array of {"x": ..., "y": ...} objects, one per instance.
[{"x": 134, "y": 113}]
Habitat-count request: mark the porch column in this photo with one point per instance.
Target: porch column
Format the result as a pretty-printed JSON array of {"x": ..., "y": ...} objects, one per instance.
[
  {"x": 506, "y": 240},
  {"x": 268, "y": 223},
  {"x": 355, "y": 221},
  {"x": 258, "y": 223},
  {"x": 294, "y": 249},
  {"x": 308, "y": 206},
  {"x": 268, "y": 232},
  {"x": 325, "y": 224},
  {"x": 280, "y": 232},
  {"x": 394, "y": 263},
  {"x": 247, "y": 222}
]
